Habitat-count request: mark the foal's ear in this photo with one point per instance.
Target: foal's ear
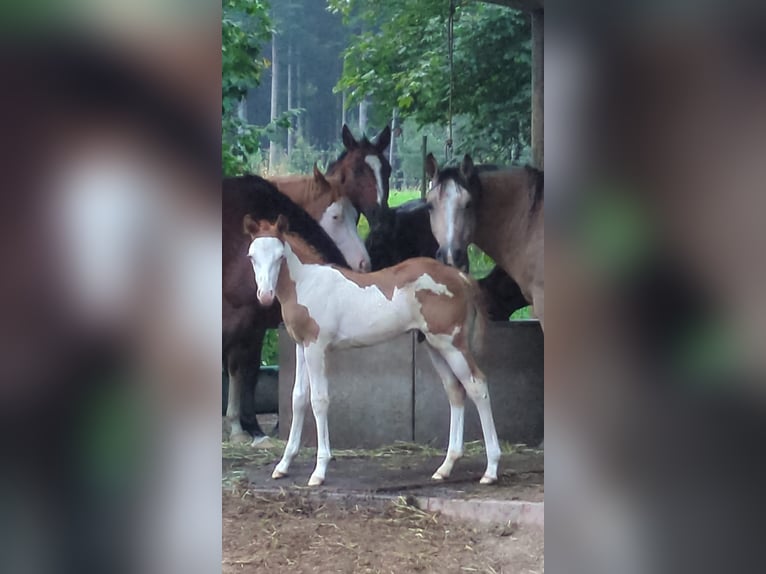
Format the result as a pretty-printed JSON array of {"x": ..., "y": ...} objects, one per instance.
[
  {"x": 383, "y": 139},
  {"x": 283, "y": 226},
  {"x": 432, "y": 167},
  {"x": 319, "y": 176},
  {"x": 250, "y": 225},
  {"x": 348, "y": 138},
  {"x": 467, "y": 167}
]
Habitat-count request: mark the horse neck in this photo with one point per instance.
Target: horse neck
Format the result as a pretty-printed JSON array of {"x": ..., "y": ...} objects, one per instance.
[
  {"x": 503, "y": 215},
  {"x": 305, "y": 192}
]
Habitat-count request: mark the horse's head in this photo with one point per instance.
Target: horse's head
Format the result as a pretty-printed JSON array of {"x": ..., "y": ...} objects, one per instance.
[
  {"x": 266, "y": 252},
  {"x": 364, "y": 170},
  {"x": 451, "y": 201},
  {"x": 339, "y": 222}
]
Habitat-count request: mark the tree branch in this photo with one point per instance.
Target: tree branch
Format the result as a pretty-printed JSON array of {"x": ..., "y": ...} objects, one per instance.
[{"x": 523, "y": 5}]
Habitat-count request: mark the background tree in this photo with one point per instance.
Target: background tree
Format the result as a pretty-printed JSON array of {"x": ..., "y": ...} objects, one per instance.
[
  {"x": 245, "y": 27},
  {"x": 401, "y": 61}
]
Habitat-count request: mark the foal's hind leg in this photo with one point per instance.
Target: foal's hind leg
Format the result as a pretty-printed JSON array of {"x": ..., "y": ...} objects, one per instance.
[
  {"x": 464, "y": 367},
  {"x": 456, "y": 396},
  {"x": 300, "y": 402}
]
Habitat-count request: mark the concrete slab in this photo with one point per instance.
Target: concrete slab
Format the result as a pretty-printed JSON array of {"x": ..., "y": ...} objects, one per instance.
[
  {"x": 512, "y": 358},
  {"x": 370, "y": 394}
]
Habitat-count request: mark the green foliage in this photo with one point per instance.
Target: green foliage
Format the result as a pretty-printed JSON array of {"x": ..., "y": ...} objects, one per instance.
[
  {"x": 270, "y": 349},
  {"x": 245, "y": 27},
  {"x": 400, "y": 59}
]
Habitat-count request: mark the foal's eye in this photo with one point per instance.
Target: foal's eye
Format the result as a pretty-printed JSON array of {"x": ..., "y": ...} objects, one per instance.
[
  {"x": 336, "y": 217},
  {"x": 430, "y": 206}
]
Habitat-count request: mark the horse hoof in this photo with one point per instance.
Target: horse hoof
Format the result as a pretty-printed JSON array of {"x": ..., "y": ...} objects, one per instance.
[
  {"x": 437, "y": 476},
  {"x": 262, "y": 442},
  {"x": 240, "y": 438},
  {"x": 278, "y": 474},
  {"x": 488, "y": 480},
  {"x": 316, "y": 481}
]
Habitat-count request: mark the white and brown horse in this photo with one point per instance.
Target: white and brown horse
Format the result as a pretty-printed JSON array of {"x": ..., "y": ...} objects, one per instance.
[
  {"x": 245, "y": 322},
  {"x": 500, "y": 211},
  {"x": 325, "y": 307}
]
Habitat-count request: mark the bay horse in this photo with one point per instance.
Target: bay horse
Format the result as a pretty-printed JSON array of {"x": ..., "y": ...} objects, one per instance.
[
  {"x": 244, "y": 320},
  {"x": 325, "y": 307},
  {"x": 404, "y": 232},
  {"x": 364, "y": 170},
  {"x": 501, "y": 211},
  {"x": 328, "y": 201}
]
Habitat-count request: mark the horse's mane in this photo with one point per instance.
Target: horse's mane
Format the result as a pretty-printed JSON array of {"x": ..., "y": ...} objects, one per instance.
[{"x": 262, "y": 200}]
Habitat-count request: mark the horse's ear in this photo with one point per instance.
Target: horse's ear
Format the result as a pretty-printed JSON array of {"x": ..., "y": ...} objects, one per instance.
[
  {"x": 432, "y": 168},
  {"x": 283, "y": 226},
  {"x": 348, "y": 138},
  {"x": 467, "y": 168},
  {"x": 383, "y": 139},
  {"x": 250, "y": 225},
  {"x": 319, "y": 176}
]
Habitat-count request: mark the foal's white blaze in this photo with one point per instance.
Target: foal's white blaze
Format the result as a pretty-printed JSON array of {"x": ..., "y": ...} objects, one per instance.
[
  {"x": 266, "y": 257},
  {"x": 339, "y": 221},
  {"x": 374, "y": 162}
]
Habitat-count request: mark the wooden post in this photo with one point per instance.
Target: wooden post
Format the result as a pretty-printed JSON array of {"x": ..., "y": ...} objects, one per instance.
[
  {"x": 538, "y": 145},
  {"x": 423, "y": 175}
]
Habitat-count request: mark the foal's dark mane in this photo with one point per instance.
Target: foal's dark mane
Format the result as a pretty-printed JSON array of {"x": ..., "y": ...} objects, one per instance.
[{"x": 260, "y": 199}]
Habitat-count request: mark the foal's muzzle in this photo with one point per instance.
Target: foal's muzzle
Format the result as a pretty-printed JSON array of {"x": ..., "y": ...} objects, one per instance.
[{"x": 266, "y": 298}]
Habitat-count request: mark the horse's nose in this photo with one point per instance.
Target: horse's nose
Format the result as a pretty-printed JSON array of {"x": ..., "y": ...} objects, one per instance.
[
  {"x": 266, "y": 298},
  {"x": 364, "y": 265},
  {"x": 440, "y": 255},
  {"x": 461, "y": 259}
]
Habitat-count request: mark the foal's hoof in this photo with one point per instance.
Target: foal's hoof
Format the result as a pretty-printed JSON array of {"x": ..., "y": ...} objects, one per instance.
[
  {"x": 278, "y": 474},
  {"x": 438, "y": 476},
  {"x": 239, "y": 438},
  {"x": 316, "y": 481},
  {"x": 488, "y": 479}
]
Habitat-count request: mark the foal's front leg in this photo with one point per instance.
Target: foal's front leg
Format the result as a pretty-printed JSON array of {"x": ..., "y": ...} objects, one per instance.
[
  {"x": 300, "y": 402},
  {"x": 320, "y": 401}
]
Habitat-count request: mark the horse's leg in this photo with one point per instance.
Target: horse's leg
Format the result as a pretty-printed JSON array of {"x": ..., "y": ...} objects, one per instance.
[
  {"x": 236, "y": 433},
  {"x": 249, "y": 370},
  {"x": 300, "y": 402},
  {"x": 320, "y": 401},
  {"x": 456, "y": 395},
  {"x": 465, "y": 369}
]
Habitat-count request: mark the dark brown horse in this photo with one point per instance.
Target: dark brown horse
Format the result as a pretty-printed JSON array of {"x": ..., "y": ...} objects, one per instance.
[
  {"x": 364, "y": 170},
  {"x": 500, "y": 211},
  {"x": 244, "y": 320}
]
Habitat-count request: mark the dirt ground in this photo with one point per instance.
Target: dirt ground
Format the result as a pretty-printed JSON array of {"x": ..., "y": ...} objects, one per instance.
[
  {"x": 276, "y": 526},
  {"x": 288, "y": 532}
]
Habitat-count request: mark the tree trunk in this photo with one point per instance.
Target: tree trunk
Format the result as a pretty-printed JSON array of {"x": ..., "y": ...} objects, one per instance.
[
  {"x": 538, "y": 147},
  {"x": 274, "y": 101},
  {"x": 363, "y": 117},
  {"x": 290, "y": 130},
  {"x": 299, "y": 123}
]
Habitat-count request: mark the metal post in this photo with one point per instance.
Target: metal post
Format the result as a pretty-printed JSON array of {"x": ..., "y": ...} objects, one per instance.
[{"x": 423, "y": 178}]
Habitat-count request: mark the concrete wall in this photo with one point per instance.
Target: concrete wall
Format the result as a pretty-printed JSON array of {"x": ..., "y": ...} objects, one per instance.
[{"x": 391, "y": 392}]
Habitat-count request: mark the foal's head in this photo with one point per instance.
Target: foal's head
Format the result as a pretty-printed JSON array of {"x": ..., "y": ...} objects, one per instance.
[
  {"x": 266, "y": 253},
  {"x": 364, "y": 170},
  {"x": 452, "y": 205},
  {"x": 339, "y": 221}
]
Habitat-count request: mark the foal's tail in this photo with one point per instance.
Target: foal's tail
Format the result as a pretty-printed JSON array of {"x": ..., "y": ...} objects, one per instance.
[{"x": 476, "y": 319}]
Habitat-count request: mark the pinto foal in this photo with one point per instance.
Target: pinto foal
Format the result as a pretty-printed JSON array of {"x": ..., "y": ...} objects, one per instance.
[{"x": 325, "y": 307}]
